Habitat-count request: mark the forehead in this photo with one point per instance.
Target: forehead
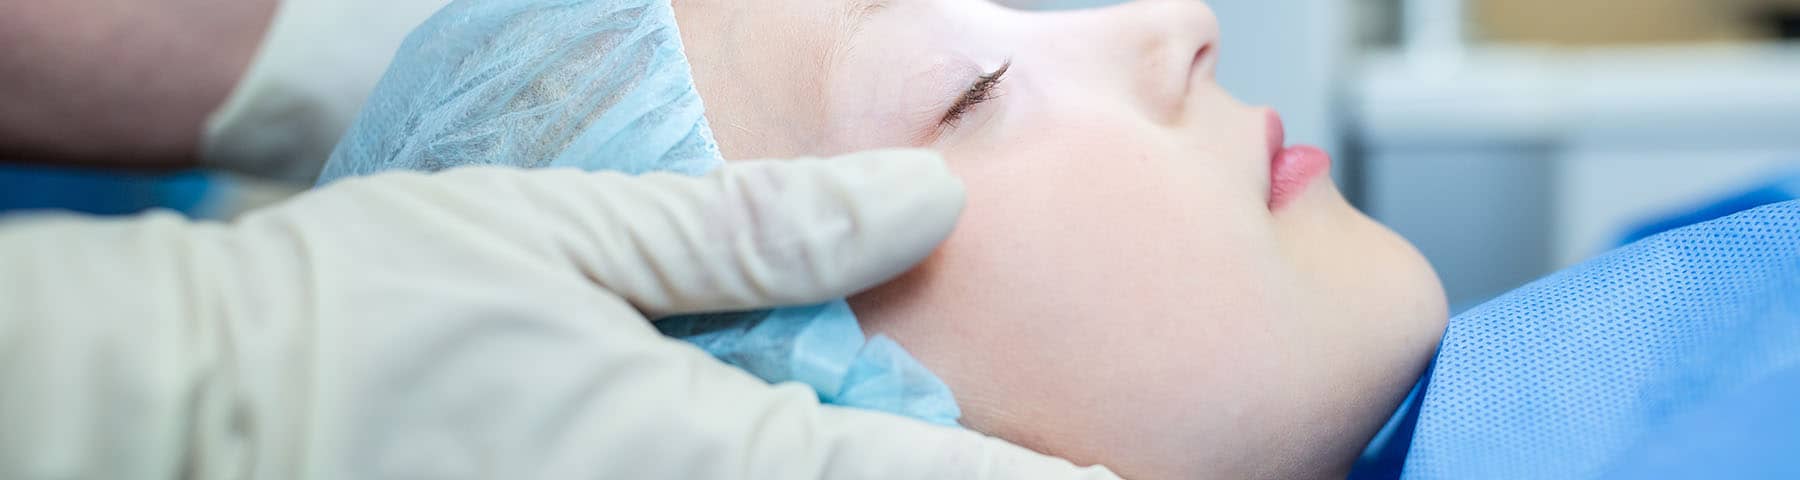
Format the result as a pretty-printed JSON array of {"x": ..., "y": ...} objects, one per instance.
[{"x": 762, "y": 67}]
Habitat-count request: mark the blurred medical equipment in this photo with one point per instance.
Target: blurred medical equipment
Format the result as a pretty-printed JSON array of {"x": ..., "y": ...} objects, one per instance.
[
  {"x": 470, "y": 324},
  {"x": 604, "y": 85},
  {"x": 1671, "y": 356},
  {"x": 316, "y": 66}
]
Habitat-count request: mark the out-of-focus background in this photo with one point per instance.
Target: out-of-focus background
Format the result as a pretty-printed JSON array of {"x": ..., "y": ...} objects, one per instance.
[
  {"x": 1506, "y": 138},
  {"x": 1510, "y": 138}
]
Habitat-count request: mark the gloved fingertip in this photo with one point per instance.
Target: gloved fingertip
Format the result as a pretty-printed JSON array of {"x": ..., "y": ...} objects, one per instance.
[
  {"x": 906, "y": 177},
  {"x": 759, "y": 234},
  {"x": 909, "y": 200},
  {"x": 927, "y": 167},
  {"x": 916, "y": 181},
  {"x": 864, "y": 217}
]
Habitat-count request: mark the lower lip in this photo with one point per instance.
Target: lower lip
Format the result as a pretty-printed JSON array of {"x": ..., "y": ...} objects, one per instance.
[{"x": 1291, "y": 169}]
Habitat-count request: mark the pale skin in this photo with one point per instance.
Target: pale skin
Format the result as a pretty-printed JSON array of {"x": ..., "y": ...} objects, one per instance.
[{"x": 1119, "y": 290}]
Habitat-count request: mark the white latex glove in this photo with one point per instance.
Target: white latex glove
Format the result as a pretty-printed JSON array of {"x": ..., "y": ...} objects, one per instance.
[
  {"x": 481, "y": 323},
  {"x": 315, "y": 68}
]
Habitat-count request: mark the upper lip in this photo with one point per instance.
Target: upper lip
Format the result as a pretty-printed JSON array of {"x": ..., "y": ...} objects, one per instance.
[{"x": 1276, "y": 135}]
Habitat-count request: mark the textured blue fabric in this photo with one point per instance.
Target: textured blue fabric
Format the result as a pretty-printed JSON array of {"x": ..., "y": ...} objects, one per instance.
[
  {"x": 1686, "y": 337},
  {"x": 807, "y": 345},
  {"x": 533, "y": 83},
  {"x": 1750, "y": 433},
  {"x": 1385, "y": 455},
  {"x": 604, "y": 85}
]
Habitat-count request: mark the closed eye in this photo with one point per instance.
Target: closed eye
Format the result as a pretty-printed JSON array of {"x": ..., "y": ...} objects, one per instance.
[{"x": 980, "y": 92}]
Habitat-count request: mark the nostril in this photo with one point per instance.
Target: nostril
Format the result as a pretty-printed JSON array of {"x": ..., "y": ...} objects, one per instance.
[{"x": 1205, "y": 60}]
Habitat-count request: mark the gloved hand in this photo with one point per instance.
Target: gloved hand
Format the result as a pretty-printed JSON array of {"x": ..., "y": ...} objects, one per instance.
[{"x": 476, "y": 323}]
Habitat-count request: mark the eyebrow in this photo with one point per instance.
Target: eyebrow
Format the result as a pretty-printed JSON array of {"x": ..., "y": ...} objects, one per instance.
[
  {"x": 855, "y": 16},
  {"x": 858, "y": 12}
]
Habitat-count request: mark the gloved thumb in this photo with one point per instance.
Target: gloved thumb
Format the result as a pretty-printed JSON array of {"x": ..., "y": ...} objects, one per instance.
[{"x": 749, "y": 235}]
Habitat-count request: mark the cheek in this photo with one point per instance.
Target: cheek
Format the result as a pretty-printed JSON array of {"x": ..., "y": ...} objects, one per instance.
[
  {"x": 1101, "y": 288},
  {"x": 1114, "y": 206}
]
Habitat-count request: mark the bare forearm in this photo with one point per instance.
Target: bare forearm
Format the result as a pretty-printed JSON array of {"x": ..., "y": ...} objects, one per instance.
[{"x": 121, "y": 82}]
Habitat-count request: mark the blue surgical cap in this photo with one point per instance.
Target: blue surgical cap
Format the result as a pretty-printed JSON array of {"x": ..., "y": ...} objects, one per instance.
[{"x": 604, "y": 85}]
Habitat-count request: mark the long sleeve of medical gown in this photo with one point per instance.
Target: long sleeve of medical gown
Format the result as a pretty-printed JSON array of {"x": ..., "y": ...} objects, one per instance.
[{"x": 481, "y": 323}]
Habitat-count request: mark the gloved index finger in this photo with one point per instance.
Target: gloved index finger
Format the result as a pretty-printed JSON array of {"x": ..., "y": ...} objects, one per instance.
[{"x": 758, "y": 234}]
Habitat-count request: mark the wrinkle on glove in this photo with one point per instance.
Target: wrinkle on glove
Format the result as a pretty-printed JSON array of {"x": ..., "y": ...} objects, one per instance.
[
  {"x": 1674, "y": 357},
  {"x": 604, "y": 85}
]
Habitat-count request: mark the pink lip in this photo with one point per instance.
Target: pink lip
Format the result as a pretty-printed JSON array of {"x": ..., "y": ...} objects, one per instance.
[{"x": 1291, "y": 169}]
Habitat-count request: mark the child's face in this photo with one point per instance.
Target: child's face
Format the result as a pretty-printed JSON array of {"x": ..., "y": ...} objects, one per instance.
[{"x": 1119, "y": 290}]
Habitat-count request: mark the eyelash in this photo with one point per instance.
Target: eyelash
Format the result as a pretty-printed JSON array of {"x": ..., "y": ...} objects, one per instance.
[{"x": 981, "y": 91}]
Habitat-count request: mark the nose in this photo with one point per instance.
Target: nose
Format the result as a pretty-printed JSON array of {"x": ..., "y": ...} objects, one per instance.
[
  {"x": 1164, "y": 47},
  {"x": 1145, "y": 54}
]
